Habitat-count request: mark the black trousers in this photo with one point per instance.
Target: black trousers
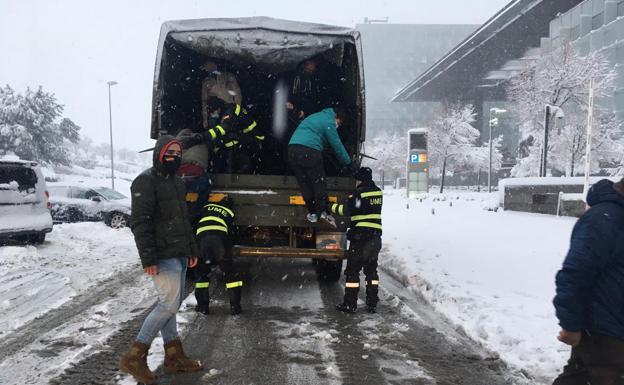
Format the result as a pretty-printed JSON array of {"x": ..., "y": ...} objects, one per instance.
[
  {"x": 362, "y": 254},
  {"x": 307, "y": 165},
  {"x": 216, "y": 249},
  {"x": 597, "y": 360}
]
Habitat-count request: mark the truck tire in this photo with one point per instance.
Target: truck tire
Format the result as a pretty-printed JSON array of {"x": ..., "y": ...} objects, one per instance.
[{"x": 328, "y": 271}]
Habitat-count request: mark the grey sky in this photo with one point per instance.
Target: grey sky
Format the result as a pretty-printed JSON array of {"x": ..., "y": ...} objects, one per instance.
[{"x": 72, "y": 48}]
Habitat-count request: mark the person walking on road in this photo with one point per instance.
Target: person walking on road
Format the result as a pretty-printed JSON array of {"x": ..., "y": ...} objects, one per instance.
[
  {"x": 164, "y": 239},
  {"x": 364, "y": 235},
  {"x": 214, "y": 231},
  {"x": 305, "y": 155},
  {"x": 590, "y": 291}
]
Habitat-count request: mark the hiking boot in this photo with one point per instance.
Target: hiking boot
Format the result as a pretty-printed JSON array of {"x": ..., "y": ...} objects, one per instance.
[
  {"x": 176, "y": 361},
  {"x": 313, "y": 218},
  {"x": 328, "y": 218},
  {"x": 203, "y": 309},
  {"x": 345, "y": 308},
  {"x": 371, "y": 308},
  {"x": 235, "y": 309},
  {"x": 134, "y": 362}
]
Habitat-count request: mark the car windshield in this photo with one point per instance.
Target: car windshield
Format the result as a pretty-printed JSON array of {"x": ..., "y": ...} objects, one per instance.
[{"x": 109, "y": 193}]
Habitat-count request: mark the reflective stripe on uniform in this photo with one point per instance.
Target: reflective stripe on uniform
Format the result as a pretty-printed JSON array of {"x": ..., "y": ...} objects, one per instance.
[
  {"x": 337, "y": 209},
  {"x": 372, "y": 194},
  {"x": 374, "y": 282},
  {"x": 216, "y": 219},
  {"x": 221, "y": 129},
  {"x": 369, "y": 224},
  {"x": 212, "y": 133},
  {"x": 208, "y": 228},
  {"x": 221, "y": 207},
  {"x": 250, "y": 128},
  {"x": 232, "y": 143},
  {"x": 363, "y": 217},
  {"x": 231, "y": 285},
  {"x": 237, "y": 110},
  {"x": 352, "y": 284},
  {"x": 260, "y": 137},
  {"x": 202, "y": 285}
]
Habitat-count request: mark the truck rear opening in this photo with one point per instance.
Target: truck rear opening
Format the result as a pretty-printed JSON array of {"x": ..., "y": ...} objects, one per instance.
[{"x": 264, "y": 55}]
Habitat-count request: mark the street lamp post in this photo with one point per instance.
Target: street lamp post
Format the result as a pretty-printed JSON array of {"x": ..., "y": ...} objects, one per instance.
[
  {"x": 492, "y": 122},
  {"x": 110, "y": 121},
  {"x": 559, "y": 115}
]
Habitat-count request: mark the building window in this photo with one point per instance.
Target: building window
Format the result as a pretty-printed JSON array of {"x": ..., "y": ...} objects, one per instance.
[{"x": 597, "y": 21}]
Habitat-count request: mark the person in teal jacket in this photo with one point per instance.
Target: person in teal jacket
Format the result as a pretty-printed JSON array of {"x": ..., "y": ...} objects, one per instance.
[{"x": 305, "y": 155}]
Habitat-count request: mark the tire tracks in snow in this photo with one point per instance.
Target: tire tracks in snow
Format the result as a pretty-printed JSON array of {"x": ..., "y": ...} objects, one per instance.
[{"x": 94, "y": 295}]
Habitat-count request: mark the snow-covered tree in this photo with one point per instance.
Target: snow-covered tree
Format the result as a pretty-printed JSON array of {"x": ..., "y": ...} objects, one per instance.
[
  {"x": 30, "y": 126},
  {"x": 390, "y": 150},
  {"x": 562, "y": 79},
  {"x": 452, "y": 143}
]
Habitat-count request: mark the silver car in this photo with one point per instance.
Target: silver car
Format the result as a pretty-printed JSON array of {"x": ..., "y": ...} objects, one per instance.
[
  {"x": 82, "y": 204},
  {"x": 24, "y": 205}
]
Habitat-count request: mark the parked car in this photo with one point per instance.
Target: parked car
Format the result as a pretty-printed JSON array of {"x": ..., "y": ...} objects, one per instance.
[
  {"x": 82, "y": 204},
  {"x": 24, "y": 205}
]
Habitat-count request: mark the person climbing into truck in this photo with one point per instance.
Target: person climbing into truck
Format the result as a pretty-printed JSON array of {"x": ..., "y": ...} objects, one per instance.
[
  {"x": 214, "y": 231},
  {"x": 364, "y": 235},
  {"x": 235, "y": 137},
  {"x": 305, "y": 155}
]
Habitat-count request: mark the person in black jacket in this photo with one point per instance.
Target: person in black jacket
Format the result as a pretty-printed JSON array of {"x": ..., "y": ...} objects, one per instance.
[
  {"x": 590, "y": 291},
  {"x": 214, "y": 235},
  {"x": 364, "y": 235},
  {"x": 164, "y": 239}
]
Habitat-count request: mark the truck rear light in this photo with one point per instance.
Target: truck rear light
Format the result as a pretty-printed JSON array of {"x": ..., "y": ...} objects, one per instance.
[{"x": 47, "y": 195}]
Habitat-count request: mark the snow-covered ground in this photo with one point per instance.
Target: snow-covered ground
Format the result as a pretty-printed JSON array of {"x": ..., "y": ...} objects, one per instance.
[{"x": 490, "y": 272}]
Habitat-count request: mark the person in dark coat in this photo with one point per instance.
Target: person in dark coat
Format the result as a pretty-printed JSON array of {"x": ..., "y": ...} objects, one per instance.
[
  {"x": 364, "y": 235},
  {"x": 166, "y": 245},
  {"x": 590, "y": 291}
]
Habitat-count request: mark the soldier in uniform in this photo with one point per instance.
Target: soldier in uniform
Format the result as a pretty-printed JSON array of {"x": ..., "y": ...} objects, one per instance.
[
  {"x": 364, "y": 235},
  {"x": 214, "y": 237}
]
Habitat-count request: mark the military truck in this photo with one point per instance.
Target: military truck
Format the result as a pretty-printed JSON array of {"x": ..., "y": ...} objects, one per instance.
[{"x": 264, "y": 53}]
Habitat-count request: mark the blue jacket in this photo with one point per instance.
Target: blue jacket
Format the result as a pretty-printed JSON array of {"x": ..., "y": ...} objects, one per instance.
[
  {"x": 590, "y": 286},
  {"x": 318, "y": 130}
]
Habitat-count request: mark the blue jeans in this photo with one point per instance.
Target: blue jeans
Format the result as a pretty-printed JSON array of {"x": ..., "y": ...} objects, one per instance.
[{"x": 169, "y": 283}]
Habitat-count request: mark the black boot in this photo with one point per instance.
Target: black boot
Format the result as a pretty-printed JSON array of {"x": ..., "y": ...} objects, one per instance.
[
  {"x": 202, "y": 295},
  {"x": 235, "y": 299},
  {"x": 349, "y": 304},
  {"x": 372, "y": 296}
]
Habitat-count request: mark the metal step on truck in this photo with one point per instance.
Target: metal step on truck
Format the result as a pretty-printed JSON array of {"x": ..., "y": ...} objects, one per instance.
[{"x": 264, "y": 55}]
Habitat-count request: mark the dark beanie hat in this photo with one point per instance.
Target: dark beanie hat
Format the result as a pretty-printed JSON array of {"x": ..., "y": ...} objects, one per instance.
[{"x": 365, "y": 174}]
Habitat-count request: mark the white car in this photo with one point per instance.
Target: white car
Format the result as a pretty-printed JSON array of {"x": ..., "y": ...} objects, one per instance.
[
  {"x": 24, "y": 204},
  {"x": 81, "y": 204}
]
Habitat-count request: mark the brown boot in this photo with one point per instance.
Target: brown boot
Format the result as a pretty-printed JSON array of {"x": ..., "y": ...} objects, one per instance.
[
  {"x": 134, "y": 362},
  {"x": 176, "y": 361}
]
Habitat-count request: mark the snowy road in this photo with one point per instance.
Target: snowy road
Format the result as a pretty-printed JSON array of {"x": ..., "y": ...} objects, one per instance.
[{"x": 291, "y": 334}]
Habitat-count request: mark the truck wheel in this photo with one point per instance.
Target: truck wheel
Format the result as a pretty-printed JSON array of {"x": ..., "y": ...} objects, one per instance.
[{"x": 329, "y": 271}]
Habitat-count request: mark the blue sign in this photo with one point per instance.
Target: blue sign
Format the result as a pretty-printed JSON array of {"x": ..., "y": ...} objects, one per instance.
[{"x": 414, "y": 158}]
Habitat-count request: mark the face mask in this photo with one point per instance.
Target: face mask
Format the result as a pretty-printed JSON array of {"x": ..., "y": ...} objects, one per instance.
[{"x": 171, "y": 163}]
